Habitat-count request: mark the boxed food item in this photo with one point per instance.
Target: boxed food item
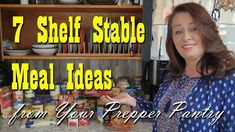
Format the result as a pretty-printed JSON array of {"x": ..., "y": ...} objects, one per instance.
[{"x": 96, "y": 93}]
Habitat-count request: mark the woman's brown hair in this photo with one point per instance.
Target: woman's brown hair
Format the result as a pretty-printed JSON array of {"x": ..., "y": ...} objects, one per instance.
[{"x": 216, "y": 57}]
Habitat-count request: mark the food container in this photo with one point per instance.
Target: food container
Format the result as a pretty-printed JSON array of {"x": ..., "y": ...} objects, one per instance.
[
  {"x": 55, "y": 93},
  {"x": 91, "y": 104},
  {"x": 118, "y": 123},
  {"x": 96, "y": 93},
  {"x": 99, "y": 114},
  {"x": 72, "y": 122},
  {"x": 123, "y": 83},
  {"x": 65, "y": 98},
  {"x": 6, "y": 101},
  {"x": 63, "y": 88},
  {"x": 37, "y": 108},
  {"x": 17, "y": 104},
  {"x": 18, "y": 95},
  {"x": 76, "y": 94},
  {"x": 50, "y": 108},
  {"x": 81, "y": 103},
  {"x": 6, "y": 108},
  {"x": 115, "y": 91},
  {"x": 6, "y": 92},
  {"x": 28, "y": 106},
  {"x": 30, "y": 94},
  {"x": 83, "y": 121}
]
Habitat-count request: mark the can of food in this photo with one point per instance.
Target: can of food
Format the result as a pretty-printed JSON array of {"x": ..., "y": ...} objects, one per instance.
[
  {"x": 37, "y": 108},
  {"x": 83, "y": 121},
  {"x": 91, "y": 103},
  {"x": 30, "y": 94},
  {"x": 28, "y": 102},
  {"x": 63, "y": 88},
  {"x": 65, "y": 98},
  {"x": 56, "y": 92},
  {"x": 50, "y": 108},
  {"x": 18, "y": 96},
  {"x": 17, "y": 104},
  {"x": 107, "y": 117},
  {"x": 6, "y": 92},
  {"x": 115, "y": 91},
  {"x": 123, "y": 83},
  {"x": 80, "y": 104},
  {"x": 99, "y": 114},
  {"x": 6, "y": 108},
  {"x": 72, "y": 122},
  {"x": 75, "y": 94},
  {"x": 27, "y": 109}
]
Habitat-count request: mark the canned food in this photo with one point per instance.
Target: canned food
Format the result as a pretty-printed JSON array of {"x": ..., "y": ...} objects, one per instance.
[
  {"x": 81, "y": 103},
  {"x": 65, "y": 98},
  {"x": 18, "y": 95},
  {"x": 107, "y": 117},
  {"x": 27, "y": 109},
  {"x": 99, "y": 114},
  {"x": 55, "y": 94},
  {"x": 123, "y": 83},
  {"x": 115, "y": 91},
  {"x": 17, "y": 104},
  {"x": 28, "y": 102},
  {"x": 37, "y": 108},
  {"x": 28, "y": 106},
  {"x": 75, "y": 94},
  {"x": 91, "y": 103},
  {"x": 63, "y": 88},
  {"x": 6, "y": 108},
  {"x": 30, "y": 94},
  {"x": 73, "y": 122},
  {"x": 83, "y": 121},
  {"x": 50, "y": 108},
  {"x": 6, "y": 92}
]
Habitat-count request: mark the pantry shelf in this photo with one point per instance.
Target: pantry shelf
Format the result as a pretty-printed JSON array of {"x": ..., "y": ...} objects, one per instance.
[
  {"x": 72, "y": 8},
  {"x": 76, "y": 57}
]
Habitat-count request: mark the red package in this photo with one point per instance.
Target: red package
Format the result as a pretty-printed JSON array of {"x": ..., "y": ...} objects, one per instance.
[
  {"x": 65, "y": 98},
  {"x": 96, "y": 93}
]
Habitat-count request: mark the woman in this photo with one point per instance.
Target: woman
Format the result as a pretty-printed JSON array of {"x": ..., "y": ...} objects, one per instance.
[{"x": 201, "y": 74}]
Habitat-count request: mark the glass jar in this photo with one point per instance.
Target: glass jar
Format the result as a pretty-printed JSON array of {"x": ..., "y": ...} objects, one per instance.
[
  {"x": 126, "y": 2},
  {"x": 123, "y": 83},
  {"x": 137, "y": 84}
]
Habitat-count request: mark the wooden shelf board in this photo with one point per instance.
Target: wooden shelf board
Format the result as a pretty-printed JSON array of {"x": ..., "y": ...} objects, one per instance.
[
  {"x": 76, "y": 57},
  {"x": 69, "y": 8}
]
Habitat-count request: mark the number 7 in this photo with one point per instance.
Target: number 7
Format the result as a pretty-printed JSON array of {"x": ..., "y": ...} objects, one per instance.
[{"x": 18, "y": 20}]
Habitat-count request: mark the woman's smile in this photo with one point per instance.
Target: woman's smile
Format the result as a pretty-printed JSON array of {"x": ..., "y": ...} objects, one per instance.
[{"x": 188, "y": 46}]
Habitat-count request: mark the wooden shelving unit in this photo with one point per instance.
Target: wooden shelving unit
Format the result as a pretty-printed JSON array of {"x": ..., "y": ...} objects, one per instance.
[
  {"x": 72, "y": 8},
  {"x": 60, "y": 14},
  {"x": 77, "y": 57}
]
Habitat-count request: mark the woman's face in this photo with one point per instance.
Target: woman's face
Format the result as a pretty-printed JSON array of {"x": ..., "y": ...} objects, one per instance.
[{"x": 186, "y": 37}]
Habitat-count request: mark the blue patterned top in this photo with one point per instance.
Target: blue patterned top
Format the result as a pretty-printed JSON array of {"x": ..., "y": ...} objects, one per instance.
[{"x": 202, "y": 105}]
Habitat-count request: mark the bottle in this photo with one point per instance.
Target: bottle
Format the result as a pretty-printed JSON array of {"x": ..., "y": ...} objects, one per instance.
[
  {"x": 126, "y": 2},
  {"x": 123, "y": 83},
  {"x": 24, "y": 2},
  {"x": 137, "y": 84}
]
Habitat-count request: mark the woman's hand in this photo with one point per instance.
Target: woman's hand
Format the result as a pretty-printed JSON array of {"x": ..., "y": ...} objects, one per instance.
[{"x": 122, "y": 98}]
